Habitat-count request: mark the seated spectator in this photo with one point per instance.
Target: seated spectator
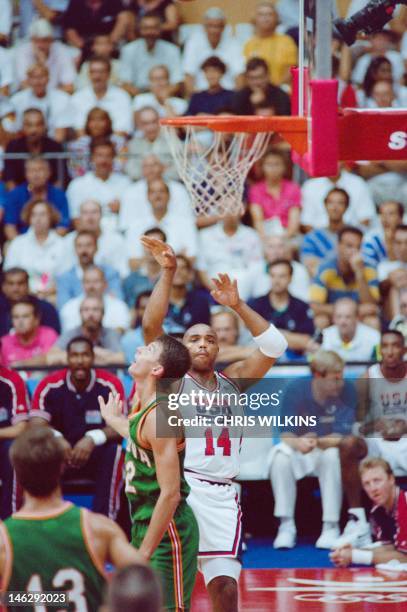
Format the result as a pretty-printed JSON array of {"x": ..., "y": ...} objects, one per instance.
[
  {"x": 212, "y": 40},
  {"x": 144, "y": 278},
  {"x": 275, "y": 202},
  {"x": 361, "y": 210},
  {"x": 305, "y": 451},
  {"x": 229, "y": 245},
  {"x": 38, "y": 251},
  {"x": 345, "y": 275},
  {"x": 133, "y": 338},
  {"x": 6, "y": 24},
  {"x": 167, "y": 11},
  {"x": 181, "y": 232},
  {"x": 392, "y": 275},
  {"x": 387, "y": 518},
  {"x": 67, "y": 401},
  {"x": 160, "y": 95},
  {"x": 101, "y": 94},
  {"x": 53, "y": 103},
  {"x": 187, "y": 306},
  {"x": 102, "y": 46},
  {"x": 84, "y": 19},
  {"x": 321, "y": 243},
  {"x": 110, "y": 244},
  {"x": 14, "y": 288},
  {"x": 259, "y": 92},
  {"x": 278, "y": 50},
  {"x": 215, "y": 98},
  {"x": 380, "y": 46},
  {"x": 226, "y": 326},
  {"x": 383, "y": 96},
  {"x": 116, "y": 313},
  {"x": 69, "y": 284},
  {"x": 378, "y": 244},
  {"x": 42, "y": 48},
  {"x": 399, "y": 322},
  {"x": 138, "y": 57},
  {"x": 28, "y": 337},
  {"x": 276, "y": 247},
  {"x": 134, "y": 202},
  {"x": 350, "y": 339},
  {"x": 34, "y": 141},
  {"x": 37, "y": 187},
  {"x": 98, "y": 125},
  {"x": 7, "y": 77},
  {"x": 101, "y": 183},
  {"x": 14, "y": 417},
  {"x": 105, "y": 341},
  {"x": 292, "y": 316},
  {"x": 150, "y": 141}
]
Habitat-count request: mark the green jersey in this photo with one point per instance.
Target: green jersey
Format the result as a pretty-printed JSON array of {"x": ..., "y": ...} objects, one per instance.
[
  {"x": 142, "y": 488},
  {"x": 53, "y": 553}
]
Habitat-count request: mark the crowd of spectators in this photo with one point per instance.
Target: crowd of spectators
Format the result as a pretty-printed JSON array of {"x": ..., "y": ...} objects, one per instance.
[{"x": 87, "y": 171}]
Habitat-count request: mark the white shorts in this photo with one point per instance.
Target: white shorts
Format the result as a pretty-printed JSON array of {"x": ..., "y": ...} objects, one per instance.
[
  {"x": 219, "y": 566},
  {"x": 219, "y": 517},
  {"x": 394, "y": 452}
]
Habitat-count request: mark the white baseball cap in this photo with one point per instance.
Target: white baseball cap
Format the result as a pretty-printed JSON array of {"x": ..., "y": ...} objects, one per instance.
[{"x": 41, "y": 28}]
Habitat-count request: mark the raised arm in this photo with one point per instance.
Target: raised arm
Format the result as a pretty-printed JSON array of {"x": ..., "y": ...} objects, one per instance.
[
  {"x": 270, "y": 341},
  {"x": 157, "y": 305}
]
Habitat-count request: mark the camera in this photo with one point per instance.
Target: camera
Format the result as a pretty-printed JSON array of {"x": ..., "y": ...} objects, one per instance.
[{"x": 369, "y": 20}]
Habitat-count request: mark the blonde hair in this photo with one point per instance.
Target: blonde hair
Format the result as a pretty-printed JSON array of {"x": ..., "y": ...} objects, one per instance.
[
  {"x": 375, "y": 462},
  {"x": 326, "y": 361}
]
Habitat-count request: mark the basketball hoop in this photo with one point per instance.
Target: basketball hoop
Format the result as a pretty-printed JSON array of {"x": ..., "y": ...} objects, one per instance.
[{"x": 214, "y": 172}]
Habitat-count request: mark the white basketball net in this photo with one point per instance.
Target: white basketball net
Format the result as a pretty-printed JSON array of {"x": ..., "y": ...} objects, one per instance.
[{"x": 214, "y": 171}]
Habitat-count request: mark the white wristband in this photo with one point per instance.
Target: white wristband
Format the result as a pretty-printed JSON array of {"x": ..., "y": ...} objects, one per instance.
[
  {"x": 56, "y": 433},
  {"x": 271, "y": 342},
  {"x": 98, "y": 436},
  {"x": 362, "y": 557}
]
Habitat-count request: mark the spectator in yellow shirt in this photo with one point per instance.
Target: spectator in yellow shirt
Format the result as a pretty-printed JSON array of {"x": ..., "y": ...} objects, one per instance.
[{"x": 278, "y": 50}]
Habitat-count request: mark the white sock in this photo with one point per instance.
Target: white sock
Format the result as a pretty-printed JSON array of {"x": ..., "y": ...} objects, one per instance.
[
  {"x": 359, "y": 513},
  {"x": 287, "y": 522},
  {"x": 328, "y": 525}
]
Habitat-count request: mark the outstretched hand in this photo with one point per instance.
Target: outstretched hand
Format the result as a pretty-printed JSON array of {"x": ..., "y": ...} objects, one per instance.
[
  {"x": 226, "y": 291},
  {"x": 112, "y": 408},
  {"x": 162, "y": 252}
]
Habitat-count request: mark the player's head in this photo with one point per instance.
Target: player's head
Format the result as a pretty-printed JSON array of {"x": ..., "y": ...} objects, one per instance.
[
  {"x": 392, "y": 348},
  {"x": 166, "y": 357},
  {"x": 80, "y": 358},
  {"x": 135, "y": 588},
  {"x": 202, "y": 344},
  {"x": 377, "y": 480},
  {"x": 37, "y": 458}
]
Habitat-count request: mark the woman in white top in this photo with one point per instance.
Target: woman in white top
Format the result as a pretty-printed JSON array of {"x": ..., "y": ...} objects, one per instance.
[{"x": 39, "y": 250}]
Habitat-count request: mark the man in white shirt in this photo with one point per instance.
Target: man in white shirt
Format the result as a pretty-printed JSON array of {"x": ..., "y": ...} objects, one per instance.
[
  {"x": 116, "y": 313},
  {"x": 351, "y": 340},
  {"x": 100, "y": 94},
  {"x": 110, "y": 244},
  {"x": 180, "y": 231},
  {"x": 360, "y": 212},
  {"x": 381, "y": 45},
  {"x": 151, "y": 139},
  {"x": 211, "y": 41},
  {"x": 7, "y": 77},
  {"x": 230, "y": 245},
  {"x": 159, "y": 96},
  {"x": 54, "y": 104},
  {"x": 42, "y": 48},
  {"x": 102, "y": 184},
  {"x": 134, "y": 202},
  {"x": 6, "y": 20},
  {"x": 139, "y": 56}
]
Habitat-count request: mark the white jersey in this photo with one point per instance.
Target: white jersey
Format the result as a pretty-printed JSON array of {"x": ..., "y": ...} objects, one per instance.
[
  {"x": 387, "y": 398},
  {"x": 212, "y": 441}
]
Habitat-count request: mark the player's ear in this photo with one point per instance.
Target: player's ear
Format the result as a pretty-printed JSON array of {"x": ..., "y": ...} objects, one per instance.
[{"x": 158, "y": 371}]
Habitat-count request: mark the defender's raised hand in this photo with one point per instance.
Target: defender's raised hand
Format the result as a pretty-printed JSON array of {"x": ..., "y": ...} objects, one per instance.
[
  {"x": 162, "y": 252},
  {"x": 226, "y": 291}
]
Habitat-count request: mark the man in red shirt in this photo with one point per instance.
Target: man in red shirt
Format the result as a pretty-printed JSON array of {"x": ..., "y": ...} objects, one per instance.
[
  {"x": 29, "y": 338},
  {"x": 388, "y": 518},
  {"x": 13, "y": 420},
  {"x": 67, "y": 401}
]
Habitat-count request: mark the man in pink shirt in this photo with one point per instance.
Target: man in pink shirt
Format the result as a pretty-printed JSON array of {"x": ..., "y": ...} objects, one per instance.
[{"x": 29, "y": 338}]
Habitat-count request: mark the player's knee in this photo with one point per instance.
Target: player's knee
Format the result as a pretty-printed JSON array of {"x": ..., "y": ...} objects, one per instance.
[
  {"x": 352, "y": 448},
  {"x": 224, "y": 592}
]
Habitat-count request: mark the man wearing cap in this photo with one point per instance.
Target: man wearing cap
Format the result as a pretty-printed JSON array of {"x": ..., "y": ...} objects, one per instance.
[
  {"x": 43, "y": 49},
  {"x": 212, "y": 41}
]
